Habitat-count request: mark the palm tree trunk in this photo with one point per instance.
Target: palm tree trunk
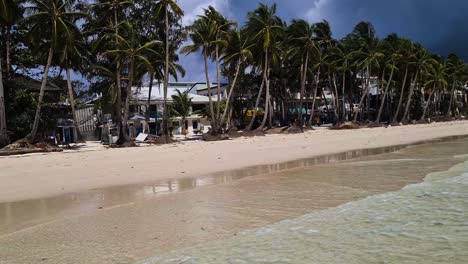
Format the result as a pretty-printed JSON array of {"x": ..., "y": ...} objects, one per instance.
[
  {"x": 3, "y": 125},
  {"x": 257, "y": 102},
  {"x": 218, "y": 82},
  {"x": 118, "y": 90},
  {"x": 366, "y": 92},
  {"x": 304, "y": 67},
  {"x": 343, "y": 117},
  {"x": 382, "y": 103},
  {"x": 317, "y": 79},
  {"x": 400, "y": 102},
  {"x": 408, "y": 102},
  {"x": 231, "y": 91},
  {"x": 148, "y": 103},
  {"x": 37, "y": 117},
  {"x": 129, "y": 94},
  {"x": 8, "y": 52},
  {"x": 166, "y": 77},
  {"x": 426, "y": 106},
  {"x": 213, "y": 121},
  {"x": 452, "y": 92},
  {"x": 267, "y": 88},
  {"x": 79, "y": 137}
]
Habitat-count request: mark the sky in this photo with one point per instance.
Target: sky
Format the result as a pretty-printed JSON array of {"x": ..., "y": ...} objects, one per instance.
[{"x": 440, "y": 25}]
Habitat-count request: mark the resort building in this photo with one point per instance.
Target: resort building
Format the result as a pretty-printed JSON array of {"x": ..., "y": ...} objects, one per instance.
[{"x": 147, "y": 107}]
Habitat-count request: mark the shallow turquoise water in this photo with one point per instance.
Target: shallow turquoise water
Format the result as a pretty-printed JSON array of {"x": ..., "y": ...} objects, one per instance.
[{"x": 422, "y": 223}]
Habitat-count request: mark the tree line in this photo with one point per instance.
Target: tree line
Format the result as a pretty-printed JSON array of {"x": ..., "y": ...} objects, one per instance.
[{"x": 271, "y": 65}]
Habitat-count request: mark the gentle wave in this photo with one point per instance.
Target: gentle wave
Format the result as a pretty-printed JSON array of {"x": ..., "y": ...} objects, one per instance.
[{"x": 422, "y": 223}]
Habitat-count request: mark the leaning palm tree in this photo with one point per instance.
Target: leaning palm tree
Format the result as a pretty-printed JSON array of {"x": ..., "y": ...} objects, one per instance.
[
  {"x": 238, "y": 54},
  {"x": 391, "y": 48},
  {"x": 343, "y": 58},
  {"x": 455, "y": 69},
  {"x": 203, "y": 36},
  {"x": 265, "y": 27},
  {"x": 437, "y": 79},
  {"x": 422, "y": 62},
  {"x": 71, "y": 57},
  {"x": 301, "y": 38},
  {"x": 61, "y": 22},
  {"x": 406, "y": 48},
  {"x": 167, "y": 6},
  {"x": 131, "y": 50}
]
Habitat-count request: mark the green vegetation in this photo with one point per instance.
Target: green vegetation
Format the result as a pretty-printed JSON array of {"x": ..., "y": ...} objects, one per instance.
[{"x": 271, "y": 66}]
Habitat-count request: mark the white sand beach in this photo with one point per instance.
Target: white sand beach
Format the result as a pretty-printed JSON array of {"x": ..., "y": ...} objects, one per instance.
[{"x": 34, "y": 176}]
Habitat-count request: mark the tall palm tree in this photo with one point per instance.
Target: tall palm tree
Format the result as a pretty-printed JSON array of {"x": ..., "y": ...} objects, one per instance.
[
  {"x": 10, "y": 13},
  {"x": 131, "y": 49},
  {"x": 455, "y": 68},
  {"x": 437, "y": 79},
  {"x": 344, "y": 59},
  {"x": 406, "y": 48},
  {"x": 265, "y": 27},
  {"x": 61, "y": 23},
  {"x": 239, "y": 54},
  {"x": 167, "y": 6},
  {"x": 3, "y": 125},
  {"x": 422, "y": 62},
  {"x": 223, "y": 26},
  {"x": 391, "y": 49},
  {"x": 71, "y": 57},
  {"x": 202, "y": 34},
  {"x": 301, "y": 38}
]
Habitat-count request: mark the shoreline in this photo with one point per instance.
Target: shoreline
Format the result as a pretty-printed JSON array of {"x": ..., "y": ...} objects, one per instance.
[
  {"x": 36, "y": 176},
  {"x": 88, "y": 227}
]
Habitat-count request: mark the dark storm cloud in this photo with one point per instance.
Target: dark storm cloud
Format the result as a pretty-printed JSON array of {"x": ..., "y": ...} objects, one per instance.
[{"x": 440, "y": 25}]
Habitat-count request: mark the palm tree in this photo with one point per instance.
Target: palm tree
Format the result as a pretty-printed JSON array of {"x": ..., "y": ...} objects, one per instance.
[
  {"x": 437, "y": 78},
  {"x": 301, "y": 38},
  {"x": 455, "y": 68},
  {"x": 265, "y": 27},
  {"x": 422, "y": 62},
  {"x": 406, "y": 48},
  {"x": 168, "y": 6},
  {"x": 238, "y": 54},
  {"x": 3, "y": 125},
  {"x": 131, "y": 50},
  {"x": 222, "y": 27},
  {"x": 202, "y": 34},
  {"x": 10, "y": 13},
  {"x": 344, "y": 60},
  {"x": 391, "y": 46},
  {"x": 182, "y": 106},
  {"x": 72, "y": 54},
  {"x": 62, "y": 23}
]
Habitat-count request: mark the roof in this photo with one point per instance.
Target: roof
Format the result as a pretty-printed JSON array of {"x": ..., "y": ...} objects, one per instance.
[
  {"x": 35, "y": 85},
  {"x": 157, "y": 94}
]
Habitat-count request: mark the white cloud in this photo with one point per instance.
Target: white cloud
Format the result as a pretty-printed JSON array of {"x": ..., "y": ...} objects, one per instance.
[{"x": 193, "y": 8}]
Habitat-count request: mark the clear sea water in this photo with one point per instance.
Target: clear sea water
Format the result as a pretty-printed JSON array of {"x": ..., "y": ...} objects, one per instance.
[{"x": 422, "y": 223}]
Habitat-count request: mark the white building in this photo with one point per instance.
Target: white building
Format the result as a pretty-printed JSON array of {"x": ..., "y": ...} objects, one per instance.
[{"x": 147, "y": 120}]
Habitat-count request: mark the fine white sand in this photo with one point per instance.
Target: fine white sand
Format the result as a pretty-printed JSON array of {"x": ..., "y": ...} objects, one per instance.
[{"x": 35, "y": 176}]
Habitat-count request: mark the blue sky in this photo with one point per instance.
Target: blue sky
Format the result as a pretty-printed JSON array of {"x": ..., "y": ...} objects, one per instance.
[{"x": 440, "y": 25}]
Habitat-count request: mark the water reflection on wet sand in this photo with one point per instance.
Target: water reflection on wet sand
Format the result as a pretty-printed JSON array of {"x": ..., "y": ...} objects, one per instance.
[{"x": 126, "y": 223}]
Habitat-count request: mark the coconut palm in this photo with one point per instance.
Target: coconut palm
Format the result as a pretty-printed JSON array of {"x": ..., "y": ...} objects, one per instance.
[
  {"x": 455, "y": 69},
  {"x": 71, "y": 57},
  {"x": 238, "y": 54},
  {"x": 167, "y": 6},
  {"x": 265, "y": 27},
  {"x": 406, "y": 48},
  {"x": 182, "y": 107},
  {"x": 437, "y": 79},
  {"x": 10, "y": 13},
  {"x": 131, "y": 49},
  {"x": 422, "y": 62},
  {"x": 222, "y": 27},
  {"x": 61, "y": 25},
  {"x": 301, "y": 39},
  {"x": 391, "y": 49},
  {"x": 203, "y": 36}
]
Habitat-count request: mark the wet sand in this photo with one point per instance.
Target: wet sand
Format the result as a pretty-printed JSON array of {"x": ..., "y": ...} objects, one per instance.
[
  {"x": 129, "y": 223},
  {"x": 37, "y": 176}
]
